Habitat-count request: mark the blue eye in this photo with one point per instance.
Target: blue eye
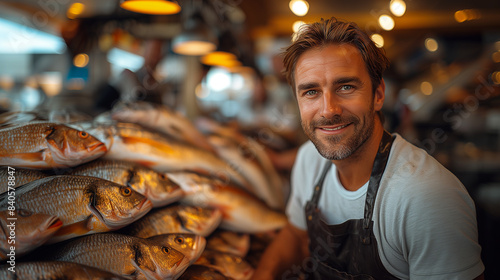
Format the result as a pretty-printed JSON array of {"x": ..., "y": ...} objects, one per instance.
[{"x": 310, "y": 92}]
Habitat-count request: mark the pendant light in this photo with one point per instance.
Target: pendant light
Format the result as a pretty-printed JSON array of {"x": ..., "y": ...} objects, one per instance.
[
  {"x": 153, "y": 7},
  {"x": 226, "y": 54},
  {"x": 197, "y": 39}
]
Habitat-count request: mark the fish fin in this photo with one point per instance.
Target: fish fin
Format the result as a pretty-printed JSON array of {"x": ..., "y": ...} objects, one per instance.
[
  {"x": 78, "y": 228},
  {"x": 158, "y": 145},
  {"x": 29, "y": 157}
]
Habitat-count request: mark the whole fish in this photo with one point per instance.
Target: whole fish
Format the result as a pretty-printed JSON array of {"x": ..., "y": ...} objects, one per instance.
[
  {"x": 123, "y": 255},
  {"x": 229, "y": 242},
  {"x": 201, "y": 272},
  {"x": 54, "y": 270},
  {"x": 161, "y": 118},
  {"x": 84, "y": 204},
  {"x": 241, "y": 211},
  {"x": 176, "y": 219},
  {"x": 230, "y": 265},
  {"x": 46, "y": 145},
  {"x": 30, "y": 230},
  {"x": 190, "y": 245},
  {"x": 134, "y": 143},
  {"x": 17, "y": 177},
  {"x": 157, "y": 187},
  {"x": 247, "y": 163}
]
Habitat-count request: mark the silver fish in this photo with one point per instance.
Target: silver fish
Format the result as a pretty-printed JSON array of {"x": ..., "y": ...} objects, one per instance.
[
  {"x": 123, "y": 255},
  {"x": 157, "y": 187},
  {"x": 54, "y": 270},
  {"x": 84, "y": 204},
  {"x": 176, "y": 219},
  {"x": 30, "y": 230}
]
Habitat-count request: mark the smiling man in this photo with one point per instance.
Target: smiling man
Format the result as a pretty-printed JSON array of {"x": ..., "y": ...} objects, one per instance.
[{"x": 365, "y": 203}]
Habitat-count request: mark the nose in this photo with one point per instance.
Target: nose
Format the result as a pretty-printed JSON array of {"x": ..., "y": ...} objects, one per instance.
[{"x": 331, "y": 105}]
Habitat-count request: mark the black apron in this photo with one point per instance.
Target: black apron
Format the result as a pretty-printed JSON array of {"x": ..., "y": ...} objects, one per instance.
[{"x": 348, "y": 250}]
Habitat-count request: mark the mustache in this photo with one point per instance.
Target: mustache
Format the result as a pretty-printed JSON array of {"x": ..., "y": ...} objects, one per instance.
[{"x": 336, "y": 120}]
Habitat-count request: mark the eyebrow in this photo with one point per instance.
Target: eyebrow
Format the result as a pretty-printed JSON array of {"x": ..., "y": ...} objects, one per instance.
[{"x": 347, "y": 80}]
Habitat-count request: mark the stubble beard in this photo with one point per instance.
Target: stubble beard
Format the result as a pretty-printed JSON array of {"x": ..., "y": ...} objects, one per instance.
[{"x": 338, "y": 147}]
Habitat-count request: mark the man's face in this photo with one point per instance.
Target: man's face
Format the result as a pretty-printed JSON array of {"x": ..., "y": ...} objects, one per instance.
[{"x": 335, "y": 98}]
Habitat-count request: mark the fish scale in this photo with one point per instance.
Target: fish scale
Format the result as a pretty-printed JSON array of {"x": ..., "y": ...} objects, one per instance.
[
  {"x": 121, "y": 254},
  {"x": 31, "y": 135},
  {"x": 70, "y": 198}
]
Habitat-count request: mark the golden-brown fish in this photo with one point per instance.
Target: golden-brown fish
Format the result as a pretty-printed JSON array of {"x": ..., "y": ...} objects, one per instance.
[
  {"x": 124, "y": 255},
  {"x": 17, "y": 177},
  {"x": 176, "y": 219},
  {"x": 230, "y": 265},
  {"x": 25, "y": 231},
  {"x": 241, "y": 211},
  {"x": 46, "y": 145},
  {"x": 84, "y": 204},
  {"x": 190, "y": 245},
  {"x": 157, "y": 187},
  {"x": 54, "y": 270}
]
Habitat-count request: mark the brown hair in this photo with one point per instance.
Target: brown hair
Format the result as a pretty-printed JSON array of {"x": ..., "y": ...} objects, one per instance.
[{"x": 332, "y": 31}]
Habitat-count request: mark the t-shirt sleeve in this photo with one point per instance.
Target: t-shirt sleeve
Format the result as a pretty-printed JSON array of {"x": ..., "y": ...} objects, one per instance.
[
  {"x": 441, "y": 231},
  {"x": 295, "y": 209}
]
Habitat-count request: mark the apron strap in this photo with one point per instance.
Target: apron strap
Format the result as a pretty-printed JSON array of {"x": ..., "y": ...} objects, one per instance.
[
  {"x": 377, "y": 171},
  {"x": 319, "y": 185}
]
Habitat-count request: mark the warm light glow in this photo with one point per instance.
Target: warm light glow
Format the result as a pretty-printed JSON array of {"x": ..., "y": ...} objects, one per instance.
[
  {"x": 496, "y": 57},
  {"x": 467, "y": 14},
  {"x": 297, "y": 25},
  {"x": 495, "y": 77},
  {"x": 75, "y": 10},
  {"x": 81, "y": 60},
  {"x": 299, "y": 7},
  {"x": 154, "y": 7},
  {"x": 378, "y": 40},
  {"x": 386, "y": 22},
  {"x": 50, "y": 82},
  {"x": 217, "y": 58},
  {"x": 460, "y": 16},
  {"x": 426, "y": 88},
  {"x": 431, "y": 44},
  {"x": 497, "y": 45},
  {"x": 398, "y": 7},
  {"x": 6, "y": 82},
  {"x": 194, "y": 48}
]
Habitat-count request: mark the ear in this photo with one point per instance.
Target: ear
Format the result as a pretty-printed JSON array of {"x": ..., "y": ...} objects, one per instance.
[{"x": 379, "y": 96}]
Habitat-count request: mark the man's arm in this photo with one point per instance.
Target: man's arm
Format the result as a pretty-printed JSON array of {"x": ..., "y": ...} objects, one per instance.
[{"x": 288, "y": 248}]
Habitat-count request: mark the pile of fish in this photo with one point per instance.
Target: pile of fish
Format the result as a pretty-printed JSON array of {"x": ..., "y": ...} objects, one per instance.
[{"x": 137, "y": 193}]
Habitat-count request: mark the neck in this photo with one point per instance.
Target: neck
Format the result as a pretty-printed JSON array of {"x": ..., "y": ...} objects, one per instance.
[{"x": 356, "y": 170}]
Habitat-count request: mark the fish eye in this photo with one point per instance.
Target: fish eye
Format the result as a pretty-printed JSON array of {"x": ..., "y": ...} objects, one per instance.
[
  {"x": 179, "y": 240},
  {"x": 24, "y": 213},
  {"x": 83, "y": 134},
  {"x": 165, "y": 250},
  {"x": 163, "y": 176},
  {"x": 126, "y": 191}
]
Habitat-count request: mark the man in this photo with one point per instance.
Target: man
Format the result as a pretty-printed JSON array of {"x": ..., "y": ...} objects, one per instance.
[{"x": 364, "y": 202}]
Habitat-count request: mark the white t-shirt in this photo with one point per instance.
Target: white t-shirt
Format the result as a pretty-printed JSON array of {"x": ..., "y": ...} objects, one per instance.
[{"x": 424, "y": 219}]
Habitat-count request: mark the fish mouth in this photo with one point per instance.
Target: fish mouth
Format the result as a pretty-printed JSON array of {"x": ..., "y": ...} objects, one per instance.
[
  {"x": 99, "y": 147},
  {"x": 164, "y": 199},
  {"x": 200, "y": 244}
]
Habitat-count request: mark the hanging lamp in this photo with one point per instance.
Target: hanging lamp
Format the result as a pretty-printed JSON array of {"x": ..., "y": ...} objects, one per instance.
[
  {"x": 153, "y": 7},
  {"x": 196, "y": 39}
]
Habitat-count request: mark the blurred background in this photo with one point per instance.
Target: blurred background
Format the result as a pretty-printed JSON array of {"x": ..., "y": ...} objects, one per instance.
[{"x": 219, "y": 59}]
